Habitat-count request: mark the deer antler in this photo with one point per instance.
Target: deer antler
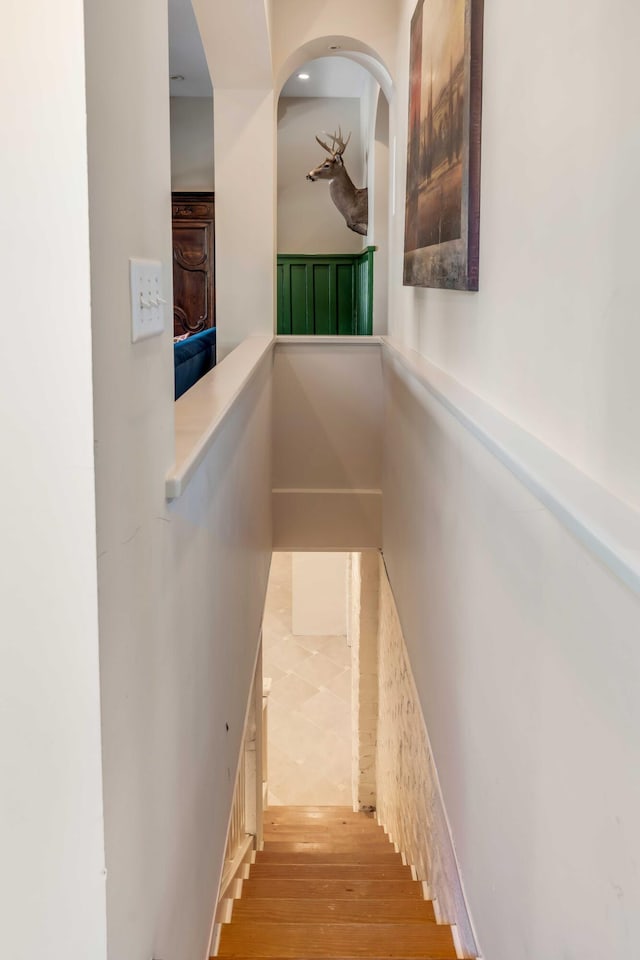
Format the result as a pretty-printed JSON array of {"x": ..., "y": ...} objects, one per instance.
[
  {"x": 342, "y": 144},
  {"x": 323, "y": 144},
  {"x": 336, "y": 138}
]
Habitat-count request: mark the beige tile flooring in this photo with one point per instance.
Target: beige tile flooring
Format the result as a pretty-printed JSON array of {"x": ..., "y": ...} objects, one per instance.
[{"x": 309, "y": 732}]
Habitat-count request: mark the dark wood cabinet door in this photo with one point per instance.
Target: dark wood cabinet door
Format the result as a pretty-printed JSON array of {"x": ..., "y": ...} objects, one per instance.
[{"x": 193, "y": 262}]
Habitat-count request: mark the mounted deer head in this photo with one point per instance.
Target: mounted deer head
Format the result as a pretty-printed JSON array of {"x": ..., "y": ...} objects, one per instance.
[{"x": 352, "y": 203}]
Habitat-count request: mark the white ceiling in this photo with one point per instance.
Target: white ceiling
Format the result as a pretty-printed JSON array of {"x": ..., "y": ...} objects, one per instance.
[
  {"x": 186, "y": 54},
  {"x": 328, "y": 76}
]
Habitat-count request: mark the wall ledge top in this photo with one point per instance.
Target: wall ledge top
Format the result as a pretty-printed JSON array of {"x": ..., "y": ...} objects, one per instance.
[
  {"x": 302, "y": 340},
  {"x": 201, "y": 411},
  {"x": 609, "y": 528}
]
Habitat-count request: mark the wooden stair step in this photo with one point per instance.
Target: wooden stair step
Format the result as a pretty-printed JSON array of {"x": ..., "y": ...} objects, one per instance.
[
  {"x": 320, "y": 820},
  {"x": 308, "y": 836},
  {"x": 317, "y": 817},
  {"x": 332, "y": 889},
  {"x": 357, "y": 827},
  {"x": 335, "y": 911},
  {"x": 348, "y": 841},
  {"x": 314, "y": 812},
  {"x": 339, "y": 845},
  {"x": 330, "y": 856},
  {"x": 330, "y": 871},
  {"x": 404, "y": 941}
]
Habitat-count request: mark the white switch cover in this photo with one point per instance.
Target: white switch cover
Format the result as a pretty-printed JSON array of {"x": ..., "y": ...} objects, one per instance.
[{"x": 147, "y": 305}]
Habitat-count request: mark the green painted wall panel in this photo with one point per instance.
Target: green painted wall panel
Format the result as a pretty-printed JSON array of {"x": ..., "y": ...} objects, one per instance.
[
  {"x": 345, "y": 297},
  {"x": 323, "y": 301},
  {"x": 301, "y": 322},
  {"x": 325, "y": 294},
  {"x": 284, "y": 300}
]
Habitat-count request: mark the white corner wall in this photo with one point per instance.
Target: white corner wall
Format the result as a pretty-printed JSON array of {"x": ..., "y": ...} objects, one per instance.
[
  {"x": 380, "y": 189},
  {"x": 245, "y": 148},
  {"x": 237, "y": 42},
  {"x": 192, "y": 162},
  {"x": 308, "y": 220},
  {"x": 181, "y": 585},
  {"x": 52, "y": 877}
]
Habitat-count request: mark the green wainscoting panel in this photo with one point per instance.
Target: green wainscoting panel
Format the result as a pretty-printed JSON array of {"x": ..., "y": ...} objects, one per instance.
[
  {"x": 364, "y": 320},
  {"x": 301, "y": 309},
  {"x": 323, "y": 286},
  {"x": 325, "y": 294}
]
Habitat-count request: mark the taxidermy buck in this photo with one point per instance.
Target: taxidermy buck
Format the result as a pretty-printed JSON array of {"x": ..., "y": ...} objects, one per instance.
[{"x": 352, "y": 203}]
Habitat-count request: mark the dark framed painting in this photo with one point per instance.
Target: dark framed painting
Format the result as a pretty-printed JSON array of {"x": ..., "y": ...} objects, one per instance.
[{"x": 442, "y": 216}]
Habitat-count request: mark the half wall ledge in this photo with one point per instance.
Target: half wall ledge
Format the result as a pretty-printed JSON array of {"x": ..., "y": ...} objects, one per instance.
[{"x": 201, "y": 411}]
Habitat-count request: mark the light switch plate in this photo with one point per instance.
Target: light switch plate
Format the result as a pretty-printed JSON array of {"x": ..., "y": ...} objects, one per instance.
[{"x": 147, "y": 304}]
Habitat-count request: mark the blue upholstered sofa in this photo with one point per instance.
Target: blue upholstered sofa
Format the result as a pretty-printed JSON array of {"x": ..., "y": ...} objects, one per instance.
[{"x": 193, "y": 357}]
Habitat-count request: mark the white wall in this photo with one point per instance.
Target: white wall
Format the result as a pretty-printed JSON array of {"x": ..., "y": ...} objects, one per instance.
[
  {"x": 245, "y": 214},
  {"x": 236, "y": 40},
  {"x": 362, "y": 637},
  {"x": 52, "y": 882},
  {"x": 319, "y": 594},
  {"x": 551, "y": 338},
  {"x": 308, "y": 220},
  {"x": 181, "y": 586},
  {"x": 525, "y": 648},
  {"x": 192, "y": 164},
  {"x": 327, "y": 444},
  {"x": 525, "y": 655},
  {"x": 375, "y": 133}
]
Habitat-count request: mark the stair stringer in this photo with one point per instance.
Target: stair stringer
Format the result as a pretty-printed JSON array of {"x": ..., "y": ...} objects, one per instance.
[
  {"x": 244, "y": 829},
  {"x": 410, "y": 806}
]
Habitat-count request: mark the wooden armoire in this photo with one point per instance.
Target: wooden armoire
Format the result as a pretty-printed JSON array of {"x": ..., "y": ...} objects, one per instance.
[{"x": 193, "y": 262}]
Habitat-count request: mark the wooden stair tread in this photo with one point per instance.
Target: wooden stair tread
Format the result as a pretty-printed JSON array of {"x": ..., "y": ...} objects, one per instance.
[
  {"x": 332, "y": 838},
  {"x": 330, "y": 871},
  {"x": 332, "y": 855},
  {"x": 335, "y": 911},
  {"x": 328, "y": 841},
  {"x": 313, "y": 827},
  {"x": 331, "y": 889},
  {"x": 328, "y": 940},
  {"x": 315, "y": 811}
]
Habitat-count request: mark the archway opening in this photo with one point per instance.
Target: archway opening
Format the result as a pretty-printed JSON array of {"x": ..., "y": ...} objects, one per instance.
[{"x": 332, "y": 260}]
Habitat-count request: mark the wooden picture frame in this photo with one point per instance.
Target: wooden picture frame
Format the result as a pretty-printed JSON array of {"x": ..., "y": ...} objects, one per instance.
[{"x": 442, "y": 212}]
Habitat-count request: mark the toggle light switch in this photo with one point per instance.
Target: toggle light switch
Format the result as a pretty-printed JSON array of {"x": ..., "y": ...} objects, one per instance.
[{"x": 147, "y": 303}]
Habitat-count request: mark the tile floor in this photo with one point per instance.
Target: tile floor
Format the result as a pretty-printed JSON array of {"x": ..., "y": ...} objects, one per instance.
[{"x": 309, "y": 746}]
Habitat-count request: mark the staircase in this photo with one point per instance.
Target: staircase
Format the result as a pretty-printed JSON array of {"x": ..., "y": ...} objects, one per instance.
[{"x": 328, "y": 884}]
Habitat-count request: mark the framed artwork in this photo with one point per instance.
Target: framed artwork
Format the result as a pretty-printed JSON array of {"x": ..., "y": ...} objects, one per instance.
[{"x": 442, "y": 217}]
